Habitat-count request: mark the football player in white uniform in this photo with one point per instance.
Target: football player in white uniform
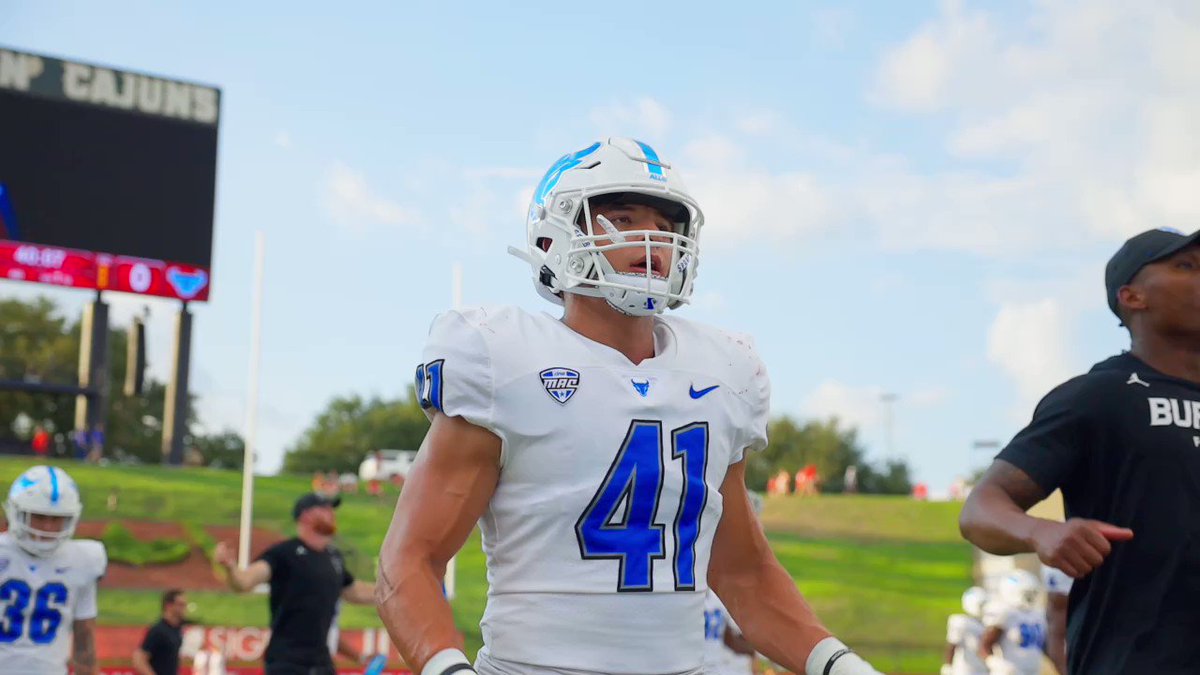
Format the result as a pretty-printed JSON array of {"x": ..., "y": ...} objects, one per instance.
[
  {"x": 964, "y": 632},
  {"x": 726, "y": 650},
  {"x": 601, "y": 453},
  {"x": 1058, "y": 593},
  {"x": 47, "y": 580},
  {"x": 1015, "y": 626}
]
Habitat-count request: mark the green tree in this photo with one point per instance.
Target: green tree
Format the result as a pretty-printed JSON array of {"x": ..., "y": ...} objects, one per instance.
[
  {"x": 350, "y": 427},
  {"x": 221, "y": 450},
  {"x": 830, "y": 447},
  {"x": 39, "y": 344}
]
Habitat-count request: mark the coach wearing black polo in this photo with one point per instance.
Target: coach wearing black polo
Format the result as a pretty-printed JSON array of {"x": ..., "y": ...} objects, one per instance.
[
  {"x": 1123, "y": 444},
  {"x": 307, "y": 576}
]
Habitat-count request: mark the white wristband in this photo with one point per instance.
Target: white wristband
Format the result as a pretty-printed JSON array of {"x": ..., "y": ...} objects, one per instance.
[
  {"x": 446, "y": 662},
  {"x": 832, "y": 657}
]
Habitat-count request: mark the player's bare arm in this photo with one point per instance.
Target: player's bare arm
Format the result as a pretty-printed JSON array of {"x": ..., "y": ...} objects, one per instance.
[
  {"x": 994, "y": 519},
  {"x": 991, "y": 638},
  {"x": 241, "y": 580},
  {"x": 359, "y": 593},
  {"x": 738, "y": 642},
  {"x": 83, "y": 656},
  {"x": 446, "y": 492},
  {"x": 141, "y": 662},
  {"x": 744, "y": 572}
]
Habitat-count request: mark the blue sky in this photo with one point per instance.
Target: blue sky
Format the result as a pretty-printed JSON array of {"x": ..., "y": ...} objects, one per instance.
[{"x": 915, "y": 198}]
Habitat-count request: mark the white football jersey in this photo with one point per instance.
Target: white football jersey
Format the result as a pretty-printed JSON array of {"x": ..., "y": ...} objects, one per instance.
[
  {"x": 1056, "y": 581},
  {"x": 1023, "y": 639},
  {"x": 965, "y": 633},
  {"x": 719, "y": 659},
  {"x": 598, "y": 535},
  {"x": 41, "y": 598}
]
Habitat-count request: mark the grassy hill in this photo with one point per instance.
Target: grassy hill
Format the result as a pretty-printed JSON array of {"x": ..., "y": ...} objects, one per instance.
[{"x": 882, "y": 572}]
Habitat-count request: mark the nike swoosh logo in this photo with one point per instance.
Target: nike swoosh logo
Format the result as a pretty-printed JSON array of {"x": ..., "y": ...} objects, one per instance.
[{"x": 702, "y": 392}]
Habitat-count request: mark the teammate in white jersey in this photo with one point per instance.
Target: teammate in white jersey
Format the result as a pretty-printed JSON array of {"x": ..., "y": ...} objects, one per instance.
[
  {"x": 47, "y": 580},
  {"x": 1015, "y": 625},
  {"x": 964, "y": 633},
  {"x": 602, "y": 454},
  {"x": 1058, "y": 593}
]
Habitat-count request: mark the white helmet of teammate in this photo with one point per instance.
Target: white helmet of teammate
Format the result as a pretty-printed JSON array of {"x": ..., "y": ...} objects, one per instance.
[
  {"x": 973, "y": 600},
  {"x": 567, "y": 256},
  {"x": 1019, "y": 589},
  {"x": 42, "y": 490}
]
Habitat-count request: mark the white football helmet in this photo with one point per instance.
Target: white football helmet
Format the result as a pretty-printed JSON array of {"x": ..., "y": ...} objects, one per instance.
[
  {"x": 43, "y": 490},
  {"x": 1019, "y": 589},
  {"x": 973, "y": 600},
  {"x": 567, "y": 256}
]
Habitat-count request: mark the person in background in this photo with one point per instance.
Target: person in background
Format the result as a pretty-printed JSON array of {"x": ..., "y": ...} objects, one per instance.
[
  {"x": 307, "y": 575},
  {"x": 1058, "y": 593},
  {"x": 851, "y": 480},
  {"x": 159, "y": 651}
]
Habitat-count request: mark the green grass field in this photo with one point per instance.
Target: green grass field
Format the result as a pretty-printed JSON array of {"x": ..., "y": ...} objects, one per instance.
[{"x": 882, "y": 572}]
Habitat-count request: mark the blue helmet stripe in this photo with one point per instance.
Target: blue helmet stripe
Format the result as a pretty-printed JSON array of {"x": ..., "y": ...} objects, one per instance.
[
  {"x": 53, "y": 486},
  {"x": 564, "y": 163},
  {"x": 654, "y": 164}
]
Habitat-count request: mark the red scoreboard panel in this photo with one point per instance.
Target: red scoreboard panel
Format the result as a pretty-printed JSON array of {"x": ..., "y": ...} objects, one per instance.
[{"x": 107, "y": 178}]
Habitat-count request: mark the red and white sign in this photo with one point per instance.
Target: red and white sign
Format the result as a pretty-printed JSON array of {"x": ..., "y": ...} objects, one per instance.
[
  {"x": 72, "y": 268},
  {"x": 235, "y": 644}
]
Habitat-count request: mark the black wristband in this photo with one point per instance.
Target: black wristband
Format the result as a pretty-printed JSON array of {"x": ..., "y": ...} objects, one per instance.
[
  {"x": 836, "y": 655},
  {"x": 458, "y": 668}
]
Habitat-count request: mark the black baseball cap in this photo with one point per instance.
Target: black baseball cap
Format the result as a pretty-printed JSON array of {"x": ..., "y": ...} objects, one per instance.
[
  {"x": 1139, "y": 251},
  {"x": 312, "y": 500}
]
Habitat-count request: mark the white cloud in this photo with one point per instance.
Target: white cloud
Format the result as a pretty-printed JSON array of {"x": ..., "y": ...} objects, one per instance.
[
  {"x": 863, "y": 406},
  {"x": 283, "y": 139},
  {"x": 831, "y": 26},
  {"x": 918, "y": 74},
  {"x": 758, "y": 122},
  {"x": 739, "y": 198},
  {"x": 1030, "y": 342},
  {"x": 860, "y": 406},
  {"x": 1091, "y": 108},
  {"x": 503, "y": 172},
  {"x": 351, "y": 202},
  {"x": 645, "y": 118}
]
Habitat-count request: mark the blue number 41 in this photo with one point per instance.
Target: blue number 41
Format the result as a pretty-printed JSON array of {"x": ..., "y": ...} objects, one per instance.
[{"x": 633, "y": 487}]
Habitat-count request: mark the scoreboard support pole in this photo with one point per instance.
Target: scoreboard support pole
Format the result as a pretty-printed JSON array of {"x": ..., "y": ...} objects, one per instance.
[
  {"x": 91, "y": 408},
  {"x": 175, "y": 407}
]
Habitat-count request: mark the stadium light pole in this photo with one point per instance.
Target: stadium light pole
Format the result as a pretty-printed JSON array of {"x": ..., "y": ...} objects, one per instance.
[{"x": 248, "y": 445}]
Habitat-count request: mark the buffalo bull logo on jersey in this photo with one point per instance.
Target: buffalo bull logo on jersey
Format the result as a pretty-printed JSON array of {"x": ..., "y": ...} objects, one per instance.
[{"x": 560, "y": 383}]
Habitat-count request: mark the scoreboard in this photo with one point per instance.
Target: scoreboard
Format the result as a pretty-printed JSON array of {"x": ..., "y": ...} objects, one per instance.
[{"x": 107, "y": 177}]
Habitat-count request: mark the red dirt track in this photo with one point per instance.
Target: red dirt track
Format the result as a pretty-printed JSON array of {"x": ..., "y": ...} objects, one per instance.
[{"x": 193, "y": 574}]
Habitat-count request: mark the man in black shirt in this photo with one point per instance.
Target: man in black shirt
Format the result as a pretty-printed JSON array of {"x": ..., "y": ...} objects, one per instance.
[
  {"x": 1123, "y": 444},
  {"x": 159, "y": 653},
  {"x": 307, "y": 576}
]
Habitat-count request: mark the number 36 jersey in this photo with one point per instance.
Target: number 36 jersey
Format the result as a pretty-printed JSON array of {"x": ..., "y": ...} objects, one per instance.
[
  {"x": 599, "y": 533},
  {"x": 41, "y": 598}
]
